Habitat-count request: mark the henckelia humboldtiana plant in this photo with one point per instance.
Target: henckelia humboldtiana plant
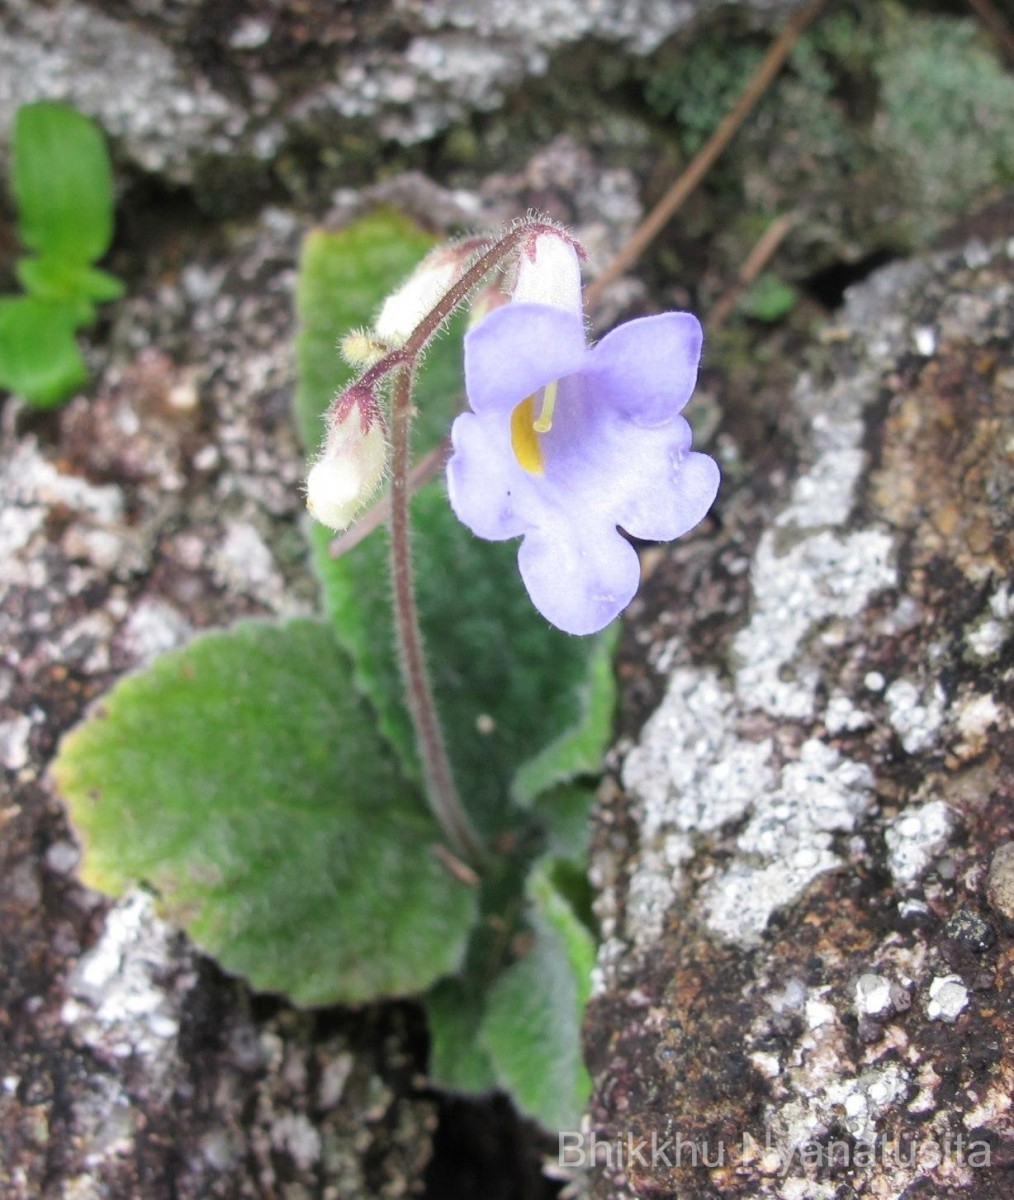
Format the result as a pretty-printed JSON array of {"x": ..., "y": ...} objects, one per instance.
[
  {"x": 564, "y": 446},
  {"x": 269, "y": 781}
]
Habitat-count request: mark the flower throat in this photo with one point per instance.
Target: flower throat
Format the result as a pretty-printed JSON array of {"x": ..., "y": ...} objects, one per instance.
[{"x": 526, "y": 427}]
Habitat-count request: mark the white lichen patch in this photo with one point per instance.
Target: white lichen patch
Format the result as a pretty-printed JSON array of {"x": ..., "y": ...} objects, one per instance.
[
  {"x": 153, "y": 627},
  {"x": 14, "y": 742},
  {"x": 865, "y": 1099},
  {"x": 30, "y": 487},
  {"x": 987, "y": 635},
  {"x": 125, "y": 993},
  {"x": 872, "y": 995},
  {"x": 788, "y": 841},
  {"x": 821, "y": 577},
  {"x": 948, "y": 998},
  {"x": 976, "y": 718},
  {"x": 915, "y": 714},
  {"x": 842, "y": 715},
  {"x": 915, "y": 838},
  {"x": 294, "y": 1134},
  {"x": 690, "y": 770},
  {"x": 129, "y": 80},
  {"x": 244, "y": 564},
  {"x": 655, "y": 882}
]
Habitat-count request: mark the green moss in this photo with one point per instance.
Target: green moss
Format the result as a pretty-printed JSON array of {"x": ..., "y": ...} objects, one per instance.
[
  {"x": 946, "y": 119},
  {"x": 697, "y": 88}
]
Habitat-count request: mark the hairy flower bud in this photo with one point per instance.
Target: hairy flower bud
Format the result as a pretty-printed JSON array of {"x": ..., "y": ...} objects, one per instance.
[
  {"x": 350, "y": 467},
  {"x": 549, "y": 272},
  {"x": 404, "y": 309}
]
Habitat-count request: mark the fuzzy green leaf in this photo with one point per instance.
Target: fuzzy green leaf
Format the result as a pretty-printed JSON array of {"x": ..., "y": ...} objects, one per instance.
[
  {"x": 511, "y": 689},
  {"x": 564, "y": 813},
  {"x": 39, "y": 358},
  {"x": 243, "y": 779},
  {"x": 532, "y": 1026},
  {"x": 63, "y": 182},
  {"x": 344, "y": 278},
  {"x": 458, "y": 1061}
]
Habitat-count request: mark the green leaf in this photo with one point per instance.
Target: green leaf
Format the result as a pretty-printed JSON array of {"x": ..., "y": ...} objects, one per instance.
[
  {"x": 243, "y": 779},
  {"x": 769, "y": 299},
  {"x": 59, "y": 282},
  {"x": 57, "y": 279},
  {"x": 579, "y": 747},
  {"x": 63, "y": 182},
  {"x": 344, "y": 278},
  {"x": 509, "y": 687},
  {"x": 456, "y": 1007},
  {"x": 39, "y": 358},
  {"x": 532, "y": 1026},
  {"x": 458, "y": 1061},
  {"x": 564, "y": 812}
]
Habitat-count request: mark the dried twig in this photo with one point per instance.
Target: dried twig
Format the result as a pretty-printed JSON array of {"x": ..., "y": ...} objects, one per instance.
[
  {"x": 755, "y": 262},
  {"x": 674, "y": 198}
]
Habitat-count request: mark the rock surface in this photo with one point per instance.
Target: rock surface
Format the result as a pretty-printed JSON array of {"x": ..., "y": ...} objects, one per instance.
[
  {"x": 804, "y": 868},
  {"x": 164, "y": 503},
  {"x": 184, "y": 83}
]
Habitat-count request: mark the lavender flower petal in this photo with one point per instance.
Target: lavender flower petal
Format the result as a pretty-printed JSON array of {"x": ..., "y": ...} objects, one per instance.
[
  {"x": 649, "y": 365},
  {"x": 518, "y": 349},
  {"x": 485, "y": 485},
  {"x": 579, "y": 578}
]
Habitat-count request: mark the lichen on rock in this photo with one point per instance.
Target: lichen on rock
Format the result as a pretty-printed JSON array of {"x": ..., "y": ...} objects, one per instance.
[{"x": 799, "y": 901}]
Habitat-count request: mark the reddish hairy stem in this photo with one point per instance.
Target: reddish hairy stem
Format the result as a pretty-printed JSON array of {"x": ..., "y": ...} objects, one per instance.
[
  {"x": 440, "y": 787},
  {"x": 401, "y": 363}
]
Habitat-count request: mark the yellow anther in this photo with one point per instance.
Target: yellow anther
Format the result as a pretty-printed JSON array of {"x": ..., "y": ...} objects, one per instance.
[
  {"x": 544, "y": 422},
  {"x": 524, "y": 440}
]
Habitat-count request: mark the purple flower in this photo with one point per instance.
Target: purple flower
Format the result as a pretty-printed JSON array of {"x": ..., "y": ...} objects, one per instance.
[{"x": 567, "y": 444}]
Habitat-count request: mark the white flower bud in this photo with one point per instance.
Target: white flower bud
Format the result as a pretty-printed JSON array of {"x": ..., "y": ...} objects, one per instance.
[
  {"x": 348, "y": 472},
  {"x": 549, "y": 272},
  {"x": 402, "y": 311}
]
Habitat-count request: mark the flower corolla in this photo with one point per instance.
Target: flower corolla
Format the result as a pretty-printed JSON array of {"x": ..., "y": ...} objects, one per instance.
[{"x": 566, "y": 445}]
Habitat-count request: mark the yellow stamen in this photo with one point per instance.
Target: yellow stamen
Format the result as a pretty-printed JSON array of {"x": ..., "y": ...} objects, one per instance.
[
  {"x": 545, "y": 419},
  {"x": 524, "y": 439}
]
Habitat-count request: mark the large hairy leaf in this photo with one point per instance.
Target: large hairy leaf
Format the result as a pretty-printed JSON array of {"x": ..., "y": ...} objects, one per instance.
[{"x": 243, "y": 779}]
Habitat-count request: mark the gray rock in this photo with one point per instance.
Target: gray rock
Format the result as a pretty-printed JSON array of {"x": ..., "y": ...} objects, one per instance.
[
  {"x": 128, "y": 1066},
  {"x": 818, "y": 795}
]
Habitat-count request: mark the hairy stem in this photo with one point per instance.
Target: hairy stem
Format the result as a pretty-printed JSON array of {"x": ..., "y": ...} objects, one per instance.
[{"x": 440, "y": 787}]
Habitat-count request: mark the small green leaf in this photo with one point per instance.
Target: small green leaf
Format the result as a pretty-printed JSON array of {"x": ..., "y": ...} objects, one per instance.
[
  {"x": 63, "y": 182},
  {"x": 39, "y": 358},
  {"x": 458, "y": 1061},
  {"x": 532, "y": 1026},
  {"x": 564, "y": 812},
  {"x": 243, "y": 779},
  {"x": 509, "y": 687},
  {"x": 769, "y": 299},
  {"x": 456, "y": 1006},
  {"x": 344, "y": 278},
  {"x": 579, "y": 747},
  {"x": 100, "y": 286},
  {"x": 57, "y": 281}
]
